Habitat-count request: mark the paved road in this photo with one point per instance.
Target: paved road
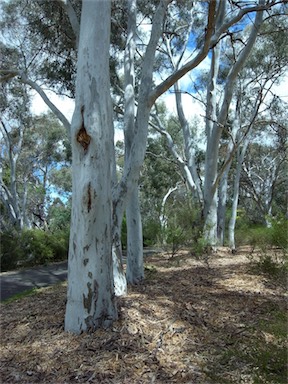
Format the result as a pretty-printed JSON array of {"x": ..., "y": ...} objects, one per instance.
[
  {"x": 14, "y": 282},
  {"x": 41, "y": 276}
]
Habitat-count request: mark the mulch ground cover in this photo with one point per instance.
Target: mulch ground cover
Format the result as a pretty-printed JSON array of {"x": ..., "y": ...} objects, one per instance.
[{"x": 178, "y": 326}]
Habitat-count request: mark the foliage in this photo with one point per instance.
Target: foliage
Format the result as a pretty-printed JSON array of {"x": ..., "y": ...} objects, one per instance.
[
  {"x": 256, "y": 234},
  {"x": 10, "y": 250},
  {"x": 158, "y": 174},
  {"x": 265, "y": 354},
  {"x": 263, "y": 179},
  {"x": 269, "y": 246},
  {"x": 124, "y": 233},
  {"x": 279, "y": 232},
  {"x": 35, "y": 158},
  {"x": 183, "y": 226},
  {"x": 59, "y": 216},
  {"x": 32, "y": 247},
  {"x": 151, "y": 232}
]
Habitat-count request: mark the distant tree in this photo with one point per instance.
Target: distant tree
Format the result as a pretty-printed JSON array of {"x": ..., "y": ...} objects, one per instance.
[
  {"x": 263, "y": 181},
  {"x": 32, "y": 148}
]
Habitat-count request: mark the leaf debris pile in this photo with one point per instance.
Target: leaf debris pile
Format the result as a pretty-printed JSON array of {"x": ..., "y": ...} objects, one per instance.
[{"x": 171, "y": 329}]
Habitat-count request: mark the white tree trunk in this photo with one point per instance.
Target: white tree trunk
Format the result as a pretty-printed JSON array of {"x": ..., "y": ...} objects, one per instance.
[
  {"x": 189, "y": 145},
  {"x": 163, "y": 217},
  {"x": 135, "y": 268},
  {"x": 9, "y": 194},
  {"x": 223, "y": 185},
  {"x": 90, "y": 297},
  {"x": 120, "y": 282},
  {"x": 232, "y": 222},
  {"x": 215, "y": 124},
  {"x": 212, "y": 153},
  {"x": 221, "y": 209}
]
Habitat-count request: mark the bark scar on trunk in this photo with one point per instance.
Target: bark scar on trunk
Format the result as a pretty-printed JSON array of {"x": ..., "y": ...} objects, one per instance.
[
  {"x": 87, "y": 301},
  {"x": 89, "y": 203},
  {"x": 82, "y": 136}
]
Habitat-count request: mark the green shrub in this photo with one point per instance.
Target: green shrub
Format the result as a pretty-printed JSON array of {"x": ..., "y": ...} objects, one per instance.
[
  {"x": 175, "y": 238},
  {"x": 151, "y": 232},
  {"x": 43, "y": 247},
  {"x": 36, "y": 247},
  {"x": 32, "y": 247},
  {"x": 260, "y": 237},
  {"x": 279, "y": 233},
  {"x": 10, "y": 250},
  {"x": 59, "y": 244},
  {"x": 269, "y": 247}
]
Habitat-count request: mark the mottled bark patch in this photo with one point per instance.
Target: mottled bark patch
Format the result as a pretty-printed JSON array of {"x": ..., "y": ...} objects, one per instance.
[
  {"x": 87, "y": 301},
  {"x": 86, "y": 248},
  {"x": 91, "y": 321},
  {"x": 89, "y": 202},
  {"x": 85, "y": 262},
  {"x": 88, "y": 197}
]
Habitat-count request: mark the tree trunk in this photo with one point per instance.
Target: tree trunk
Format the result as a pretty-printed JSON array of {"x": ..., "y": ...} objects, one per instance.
[
  {"x": 120, "y": 283},
  {"x": 9, "y": 195},
  {"x": 135, "y": 268},
  {"x": 223, "y": 185},
  {"x": 188, "y": 145},
  {"x": 90, "y": 299},
  {"x": 163, "y": 217},
  {"x": 212, "y": 153},
  {"x": 232, "y": 222},
  {"x": 215, "y": 124},
  {"x": 221, "y": 209}
]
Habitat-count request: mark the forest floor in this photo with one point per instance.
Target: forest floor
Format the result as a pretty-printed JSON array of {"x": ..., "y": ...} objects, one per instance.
[{"x": 190, "y": 321}]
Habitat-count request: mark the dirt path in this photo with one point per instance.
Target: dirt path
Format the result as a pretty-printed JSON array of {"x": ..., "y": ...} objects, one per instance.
[{"x": 187, "y": 323}]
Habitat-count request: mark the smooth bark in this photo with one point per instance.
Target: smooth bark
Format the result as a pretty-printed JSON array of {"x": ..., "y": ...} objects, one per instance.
[
  {"x": 9, "y": 193},
  {"x": 232, "y": 222},
  {"x": 90, "y": 298},
  {"x": 134, "y": 269},
  {"x": 215, "y": 124}
]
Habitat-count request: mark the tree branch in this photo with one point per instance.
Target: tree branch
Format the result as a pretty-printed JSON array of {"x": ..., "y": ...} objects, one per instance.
[
  {"x": 171, "y": 80},
  {"x": 74, "y": 22},
  {"x": 23, "y": 77}
]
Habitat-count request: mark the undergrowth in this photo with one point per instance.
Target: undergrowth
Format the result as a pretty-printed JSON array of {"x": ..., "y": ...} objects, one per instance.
[{"x": 265, "y": 353}]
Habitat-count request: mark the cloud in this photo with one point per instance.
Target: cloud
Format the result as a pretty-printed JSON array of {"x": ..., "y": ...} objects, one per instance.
[{"x": 63, "y": 103}]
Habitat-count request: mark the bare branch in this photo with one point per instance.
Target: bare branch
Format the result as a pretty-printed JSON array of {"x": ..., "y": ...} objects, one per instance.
[
  {"x": 68, "y": 7},
  {"x": 171, "y": 80},
  {"x": 23, "y": 77}
]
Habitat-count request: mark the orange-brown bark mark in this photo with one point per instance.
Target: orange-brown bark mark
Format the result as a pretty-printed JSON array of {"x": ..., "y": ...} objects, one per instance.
[{"x": 82, "y": 136}]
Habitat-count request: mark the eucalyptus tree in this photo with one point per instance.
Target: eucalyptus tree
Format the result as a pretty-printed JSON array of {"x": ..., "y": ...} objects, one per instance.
[
  {"x": 13, "y": 124},
  {"x": 96, "y": 196},
  {"x": 264, "y": 177},
  {"x": 159, "y": 179},
  {"x": 32, "y": 149},
  {"x": 221, "y": 81},
  {"x": 254, "y": 108}
]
